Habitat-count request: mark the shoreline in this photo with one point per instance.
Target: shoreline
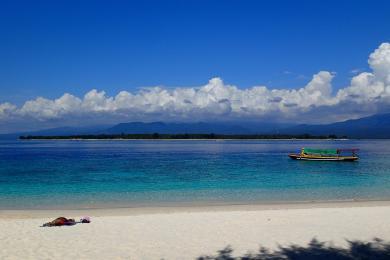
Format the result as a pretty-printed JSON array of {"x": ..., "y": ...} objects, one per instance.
[
  {"x": 189, "y": 232},
  {"x": 194, "y": 139},
  {"x": 187, "y": 208},
  {"x": 190, "y": 139}
]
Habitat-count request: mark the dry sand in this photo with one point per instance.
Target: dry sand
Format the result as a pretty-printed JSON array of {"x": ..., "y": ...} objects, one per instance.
[{"x": 187, "y": 232}]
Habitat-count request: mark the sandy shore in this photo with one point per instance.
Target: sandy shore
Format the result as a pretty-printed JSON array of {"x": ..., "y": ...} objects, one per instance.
[{"x": 187, "y": 232}]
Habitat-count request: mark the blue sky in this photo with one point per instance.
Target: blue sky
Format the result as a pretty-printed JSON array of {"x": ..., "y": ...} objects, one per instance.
[
  {"x": 52, "y": 47},
  {"x": 49, "y": 48}
]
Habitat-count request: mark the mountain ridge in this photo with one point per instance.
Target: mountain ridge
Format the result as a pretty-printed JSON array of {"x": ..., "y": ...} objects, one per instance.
[{"x": 375, "y": 126}]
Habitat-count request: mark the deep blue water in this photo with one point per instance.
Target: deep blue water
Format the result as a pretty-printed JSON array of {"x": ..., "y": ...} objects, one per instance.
[{"x": 61, "y": 174}]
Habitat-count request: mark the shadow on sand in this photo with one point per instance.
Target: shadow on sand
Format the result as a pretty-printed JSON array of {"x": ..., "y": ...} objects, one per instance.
[{"x": 376, "y": 249}]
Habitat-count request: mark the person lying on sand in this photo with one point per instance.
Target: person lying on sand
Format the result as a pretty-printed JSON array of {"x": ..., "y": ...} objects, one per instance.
[{"x": 62, "y": 221}]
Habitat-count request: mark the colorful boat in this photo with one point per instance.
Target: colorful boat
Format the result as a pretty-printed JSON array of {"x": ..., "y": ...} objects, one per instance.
[{"x": 309, "y": 154}]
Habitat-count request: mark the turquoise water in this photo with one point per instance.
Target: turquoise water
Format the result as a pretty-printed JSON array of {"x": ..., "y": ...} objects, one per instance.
[{"x": 68, "y": 174}]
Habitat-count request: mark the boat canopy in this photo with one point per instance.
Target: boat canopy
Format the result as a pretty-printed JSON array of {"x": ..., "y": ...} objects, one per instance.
[{"x": 320, "y": 151}]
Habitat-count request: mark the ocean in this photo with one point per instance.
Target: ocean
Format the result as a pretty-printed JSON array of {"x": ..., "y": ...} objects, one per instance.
[{"x": 131, "y": 173}]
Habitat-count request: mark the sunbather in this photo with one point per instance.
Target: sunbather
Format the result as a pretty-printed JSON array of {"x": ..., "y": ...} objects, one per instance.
[{"x": 61, "y": 221}]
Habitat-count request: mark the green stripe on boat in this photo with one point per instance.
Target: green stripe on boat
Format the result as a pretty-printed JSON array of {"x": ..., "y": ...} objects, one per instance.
[{"x": 319, "y": 151}]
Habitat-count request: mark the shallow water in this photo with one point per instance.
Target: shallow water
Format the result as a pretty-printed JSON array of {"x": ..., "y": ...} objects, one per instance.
[{"x": 69, "y": 174}]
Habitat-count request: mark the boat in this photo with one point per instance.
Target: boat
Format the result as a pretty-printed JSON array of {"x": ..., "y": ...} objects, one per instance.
[{"x": 309, "y": 154}]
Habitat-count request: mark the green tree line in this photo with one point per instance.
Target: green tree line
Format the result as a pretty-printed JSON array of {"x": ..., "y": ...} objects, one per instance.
[{"x": 180, "y": 136}]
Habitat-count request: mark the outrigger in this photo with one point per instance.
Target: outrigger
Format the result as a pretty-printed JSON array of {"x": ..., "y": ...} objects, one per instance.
[{"x": 309, "y": 154}]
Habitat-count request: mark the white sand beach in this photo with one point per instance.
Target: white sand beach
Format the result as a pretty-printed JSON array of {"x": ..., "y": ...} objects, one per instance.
[{"x": 187, "y": 232}]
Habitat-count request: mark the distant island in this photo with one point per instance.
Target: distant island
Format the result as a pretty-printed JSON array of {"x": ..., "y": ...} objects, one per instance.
[
  {"x": 177, "y": 136},
  {"x": 372, "y": 127}
]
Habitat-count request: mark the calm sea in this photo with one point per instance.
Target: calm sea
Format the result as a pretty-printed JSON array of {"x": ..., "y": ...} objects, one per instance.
[{"x": 79, "y": 174}]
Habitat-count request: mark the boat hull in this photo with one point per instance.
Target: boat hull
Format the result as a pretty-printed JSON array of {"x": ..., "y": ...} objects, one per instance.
[{"x": 322, "y": 158}]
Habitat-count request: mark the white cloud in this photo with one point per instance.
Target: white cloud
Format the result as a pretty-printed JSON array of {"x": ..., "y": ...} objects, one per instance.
[
  {"x": 368, "y": 93},
  {"x": 355, "y": 71},
  {"x": 43, "y": 109},
  {"x": 371, "y": 88},
  {"x": 6, "y": 109},
  {"x": 380, "y": 62}
]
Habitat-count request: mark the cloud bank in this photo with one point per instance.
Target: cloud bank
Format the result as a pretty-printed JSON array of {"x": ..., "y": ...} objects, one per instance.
[{"x": 367, "y": 93}]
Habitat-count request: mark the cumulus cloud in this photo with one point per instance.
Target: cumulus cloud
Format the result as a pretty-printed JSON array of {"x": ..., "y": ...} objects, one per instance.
[
  {"x": 6, "y": 109},
  {"x": 371, "y": 88},
  {"x": 368, "y": 93}
]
